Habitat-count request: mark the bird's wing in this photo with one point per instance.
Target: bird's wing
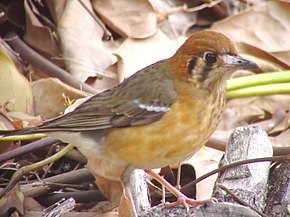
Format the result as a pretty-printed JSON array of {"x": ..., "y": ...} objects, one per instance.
[{"x": 141, "y": 99}]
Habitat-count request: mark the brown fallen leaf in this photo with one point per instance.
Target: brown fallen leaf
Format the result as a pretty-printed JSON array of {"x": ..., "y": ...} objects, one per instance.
[
  {"x": 81, "y": 42},
  {"x": 49, "y": 97},
  {"x": 14, "y": 199},
  {"x": 282, "y": 140},
  {"x": 39, "y": 35},
  {"x": 203, "y": 161},
  {"x": 129, "y": 18},
  {"x": 135, "y": 54},
  {"x": 255, "y": 106},
  {"x": 171, "y": 18},
  {"x": 265, "y": 26}
]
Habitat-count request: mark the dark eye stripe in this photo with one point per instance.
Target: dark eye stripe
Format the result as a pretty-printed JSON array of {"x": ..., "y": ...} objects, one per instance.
[
  {"x": 199, "y": 66},
  {"x": 205, "y": 71},
  {"x": 191, "y": 65}
]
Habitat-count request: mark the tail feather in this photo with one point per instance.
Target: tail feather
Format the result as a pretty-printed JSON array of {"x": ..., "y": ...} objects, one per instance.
[{"x": 18, "y": 132}]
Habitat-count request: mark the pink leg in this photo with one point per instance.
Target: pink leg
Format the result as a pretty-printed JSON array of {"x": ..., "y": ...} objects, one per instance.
[{"x": 181, "y": 198}]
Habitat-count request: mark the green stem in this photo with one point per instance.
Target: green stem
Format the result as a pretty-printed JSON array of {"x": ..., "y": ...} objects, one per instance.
[
  {"x": 24, "y": 170},
  {"x": 282, "y": 88},
  {"x": 258, "y": 79},
  {"x": 23, "y": 137}
]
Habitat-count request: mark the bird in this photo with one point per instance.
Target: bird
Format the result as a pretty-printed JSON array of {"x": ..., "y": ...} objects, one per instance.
[{"x": 159, "y": 116}]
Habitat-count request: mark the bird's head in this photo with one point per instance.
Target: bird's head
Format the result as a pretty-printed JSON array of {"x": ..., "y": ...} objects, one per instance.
[{"x": 208, "y": 58}]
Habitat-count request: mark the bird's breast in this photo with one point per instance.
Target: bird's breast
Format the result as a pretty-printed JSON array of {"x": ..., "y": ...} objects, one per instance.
[{"x": 172, "y": 139}]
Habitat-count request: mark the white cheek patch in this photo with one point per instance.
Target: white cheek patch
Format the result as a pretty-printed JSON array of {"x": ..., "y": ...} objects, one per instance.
[{"x": 152, "y": 108}]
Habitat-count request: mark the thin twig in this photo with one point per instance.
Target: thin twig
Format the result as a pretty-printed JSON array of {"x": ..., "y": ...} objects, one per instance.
[
  {"x": 34, "y": 58},
  {"x": 27, "y": 148},
  {"x": 189, "y": 186},
  {"x": 24, "y": 170},
  {"x": 240, "y": 200},
  {"x": 202, "y": 6}
]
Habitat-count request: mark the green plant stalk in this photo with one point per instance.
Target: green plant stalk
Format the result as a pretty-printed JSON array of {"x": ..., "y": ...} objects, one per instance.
[
  {"x": 282, "y": 88},
  {"x": 24, "y": 170},
  {"x": 258, "y": 79},
  {"x": 23, "y": 137}
]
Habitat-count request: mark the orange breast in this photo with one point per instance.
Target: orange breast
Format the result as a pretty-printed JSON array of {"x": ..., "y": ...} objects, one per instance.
[{"x": 176, "y": 136}]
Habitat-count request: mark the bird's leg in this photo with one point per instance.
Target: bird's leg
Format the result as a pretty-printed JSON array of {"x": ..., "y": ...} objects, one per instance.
[
  {"x": 181, "y": 198},
  {"x": 125, "y": 181},
  {"x": 178, "y": 178}
]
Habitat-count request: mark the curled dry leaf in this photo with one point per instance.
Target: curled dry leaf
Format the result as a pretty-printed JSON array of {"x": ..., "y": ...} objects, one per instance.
[
  {"x": 129, "y": 18},
  {"x": 49, "y": 96},
  {"x": 14, "y": 87},
  {"x": 37, "y": 34},
  {"x": 265, "y": 26},
  {"x": 81, "y": 42}
]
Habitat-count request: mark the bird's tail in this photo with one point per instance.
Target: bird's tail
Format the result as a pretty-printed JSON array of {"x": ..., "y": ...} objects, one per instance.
[{"x": 18, "y": 132}]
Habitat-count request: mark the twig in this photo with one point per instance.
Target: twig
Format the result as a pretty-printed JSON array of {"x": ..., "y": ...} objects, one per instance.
[
  {"x": 189, "y": 186},
  {"x": 59, "y": 208},
  {"x": 202, "y": 6},
  {"x": 266, "y": 125},
  {"x": 240, "y": 200},
  {"x": 45, "y": 65},
  {"x": 19, "y": 173},
  {"x": 41, "y": 187},
  {"x": 27, "y": 148}
]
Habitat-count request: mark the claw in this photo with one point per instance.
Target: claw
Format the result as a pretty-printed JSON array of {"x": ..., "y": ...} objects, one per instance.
[{"x": 185, "y": 201}]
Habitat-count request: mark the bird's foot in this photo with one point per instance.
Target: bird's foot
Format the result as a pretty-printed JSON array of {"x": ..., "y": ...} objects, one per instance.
[{"x": 185, "y": 201}]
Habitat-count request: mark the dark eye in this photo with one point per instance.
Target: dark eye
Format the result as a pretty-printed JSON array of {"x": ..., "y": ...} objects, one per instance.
[{"x": 210, "y": 57}]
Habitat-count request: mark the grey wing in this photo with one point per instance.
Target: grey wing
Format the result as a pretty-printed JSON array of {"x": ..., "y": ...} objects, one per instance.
[{"x": 124, "y": 105}]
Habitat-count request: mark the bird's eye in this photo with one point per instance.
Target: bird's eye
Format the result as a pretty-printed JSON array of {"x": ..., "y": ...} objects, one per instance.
[{"x": 210, "y": 57}]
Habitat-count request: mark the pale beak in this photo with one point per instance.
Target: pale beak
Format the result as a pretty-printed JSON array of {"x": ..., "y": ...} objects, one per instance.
[{"x": 238, "y": 62}]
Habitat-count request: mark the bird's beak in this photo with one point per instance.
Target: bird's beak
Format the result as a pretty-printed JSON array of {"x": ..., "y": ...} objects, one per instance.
[{"x": 238, "y": 62}]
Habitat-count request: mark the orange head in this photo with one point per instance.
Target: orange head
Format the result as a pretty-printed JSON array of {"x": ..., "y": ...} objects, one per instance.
[{"x": 208, "y": 58}]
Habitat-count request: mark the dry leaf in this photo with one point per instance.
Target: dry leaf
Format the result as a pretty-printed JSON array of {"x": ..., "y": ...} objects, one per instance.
[
  {"x": 283, "y": 139},
  {"x": 136, "y": 54},
  {"x": 31, "y": 204},
  {"x": 129, "y": 18},
  {"x": 81, "y": 42},
  {"x": 22, "y": 120},
  {"x": 265, "y": 60},
  {"x": 14, "y": 87},
  {"x": 171, "y": 21},
  {"x": 49, "y": 97},
  {"x": 241, "y": 111},
  {"x": 13, "y": 55},
  {"x": 38, "y": 35},
  {"x": 255, "y": 106},
  {"x": 14, "y": 199},
  {"x": 203, "y": 161},
  {"x": 265, "y": 26},
  {"x": 111, "y": 189}
]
